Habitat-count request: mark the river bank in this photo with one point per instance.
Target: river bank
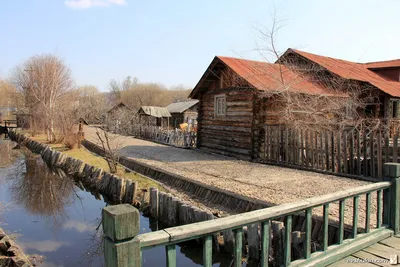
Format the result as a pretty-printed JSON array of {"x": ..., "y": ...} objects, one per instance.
[{"x": 59, "y": 224}]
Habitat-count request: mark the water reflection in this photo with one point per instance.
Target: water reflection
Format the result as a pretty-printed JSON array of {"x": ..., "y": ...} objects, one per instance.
[
  {"x": 8, "y": 155},
  {"x": 43, "y": 246},
  {"x": 40, "y": 191},
  {"x": 59, "y": 221}
]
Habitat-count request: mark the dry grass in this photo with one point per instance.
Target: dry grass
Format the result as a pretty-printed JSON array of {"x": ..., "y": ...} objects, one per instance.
[{"x": 97, "y": 161}]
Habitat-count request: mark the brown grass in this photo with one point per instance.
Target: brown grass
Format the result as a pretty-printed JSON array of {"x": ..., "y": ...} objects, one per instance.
[{"x": 97, "y": 161}]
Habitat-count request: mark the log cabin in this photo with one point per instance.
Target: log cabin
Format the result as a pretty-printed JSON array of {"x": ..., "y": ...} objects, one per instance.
[
  {"x": 183, "y": 112},
  {"x": 153, "y": 116},
  {"x": 235, "y": 107}
]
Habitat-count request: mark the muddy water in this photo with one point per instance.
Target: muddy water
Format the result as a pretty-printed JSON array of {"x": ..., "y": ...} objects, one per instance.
[{"x": 57, "y": 223}]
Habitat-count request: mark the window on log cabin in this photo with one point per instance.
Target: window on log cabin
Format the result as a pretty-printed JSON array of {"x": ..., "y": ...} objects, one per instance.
[{"x": 220, "y": 105}]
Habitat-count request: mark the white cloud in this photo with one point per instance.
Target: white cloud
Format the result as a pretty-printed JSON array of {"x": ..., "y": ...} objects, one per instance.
[
  {"x": 79, "y": 226},
  {"x": 43, "y": 246},
  {"x": 82, "y": 4}
]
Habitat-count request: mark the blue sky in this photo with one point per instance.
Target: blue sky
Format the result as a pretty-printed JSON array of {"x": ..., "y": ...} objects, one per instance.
[{"x": 172, "y": 42}]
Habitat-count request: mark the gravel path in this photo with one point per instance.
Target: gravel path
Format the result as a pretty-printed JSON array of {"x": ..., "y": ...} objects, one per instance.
[{"x": 273, "y": 184}]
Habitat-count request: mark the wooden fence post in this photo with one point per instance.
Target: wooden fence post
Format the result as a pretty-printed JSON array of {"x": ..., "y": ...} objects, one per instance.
[
  {"x": 391, "y": 201},
  {"x": 120, "y": 226},
  {"x": 154, "y": 202}
]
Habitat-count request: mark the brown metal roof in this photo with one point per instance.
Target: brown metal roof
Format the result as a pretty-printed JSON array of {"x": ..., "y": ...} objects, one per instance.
[
  {"x": 395, "y": 63},
  {"x": 353, "y": 71},
  {"x": 265, "y": 76}
]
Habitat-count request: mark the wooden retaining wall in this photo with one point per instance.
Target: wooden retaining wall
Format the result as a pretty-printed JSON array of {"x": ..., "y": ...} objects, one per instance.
[
  {"x": 10, "y": 253},
  {"x": 236, "y": 203},
  {"x": 114, "y": 188}
]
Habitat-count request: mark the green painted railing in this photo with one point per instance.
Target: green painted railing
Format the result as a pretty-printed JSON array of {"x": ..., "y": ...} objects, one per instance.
[{"x": 126, "y": 250}]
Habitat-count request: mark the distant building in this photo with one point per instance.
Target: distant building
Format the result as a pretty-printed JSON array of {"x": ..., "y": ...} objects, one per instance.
[
  {"x": 119, "y": 117},
  {"x": 154, "y": 116},
  {"x": 183, "y": 112}
]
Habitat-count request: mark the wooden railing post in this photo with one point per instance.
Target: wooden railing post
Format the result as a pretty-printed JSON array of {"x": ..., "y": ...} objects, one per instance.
[
  {"x": 120, "y": 226},
  {"x": 391, "y": 201}
]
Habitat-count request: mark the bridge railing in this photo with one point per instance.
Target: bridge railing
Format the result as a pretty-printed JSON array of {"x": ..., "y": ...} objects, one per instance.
[{"x": 127, "y": 251}]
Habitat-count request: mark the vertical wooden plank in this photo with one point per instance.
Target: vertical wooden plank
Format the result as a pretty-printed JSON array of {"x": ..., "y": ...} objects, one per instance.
[
  {"x": 333, "y": 151},
  {"x": 372, "y": 161},
  {"x": 368, "y": 213},
  {"x": 207, "y": 251},
  {"x": 288, "y": 240},
  {"x": 170, "y": 251},
  {"x": 326, "y": 224},
  {"x": 281, "y": 145},
  {"x": 379, "y": 209},
  {"x": 379, "y": 156},
  {"x": 351, "y": 156},
  {"x": 307, "y": 241},
  {"x": 278, "y": 242},
  {"x": 326, "y": 151},
  {"x": 295, "y": 138},
  {"x": 341, "y": 220},
  {"x": 339, "y": 152},
  {"x": 307, "y": 134},
  {"x": 266, "y": 143},
  {"x": 358, "y": 153},
  {"x": 355, "y": 216},
  {"x": 293, "y": 141},
  {"x": 395, "y": 147},
  {"x": 286, "y": 145},
  {"x": 302, "y": 151},
  {"x": 321, "y": 152},
  {"x": 312, "y": 154},
  {"x": 238, "y": 247},
  {"x": 345, "y": 155},
  {"x": 253, "y": 242},
  {"x": 387, "y": 159},
  {"x": 365, "y": 146},
  {"x": 276, "y": 143},
  {"x": 265, "y": 243}
]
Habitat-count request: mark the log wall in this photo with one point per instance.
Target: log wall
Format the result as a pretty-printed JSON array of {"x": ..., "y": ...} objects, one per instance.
[{"x": 231, "y": 134}]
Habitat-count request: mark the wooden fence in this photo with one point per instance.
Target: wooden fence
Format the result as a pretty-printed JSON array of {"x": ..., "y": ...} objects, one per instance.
[
  {"x": 175, "y": 137},
  {"x": 123, "y": 245},
  {"x": 346, "y": 152}
]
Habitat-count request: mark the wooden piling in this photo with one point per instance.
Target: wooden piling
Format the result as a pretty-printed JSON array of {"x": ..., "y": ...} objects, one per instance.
[
  {"x": 121, "y": 223},
  {"x": 153, "y": 202}
]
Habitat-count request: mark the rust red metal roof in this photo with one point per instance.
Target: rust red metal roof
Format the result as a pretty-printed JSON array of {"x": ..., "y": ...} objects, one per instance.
[
  {"x": 383, "y": 64},
  {"x": 273, "y": 77},
  {"x": 353, "y": 71}
]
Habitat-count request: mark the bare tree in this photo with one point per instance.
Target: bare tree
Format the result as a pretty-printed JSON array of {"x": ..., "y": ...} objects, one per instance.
[
  {"x": 110, "y": 146},
  {"x": 92, "y": 105},
  {"x": 10, "y": 97},
  {"x": 337, "y": 103},
  {"x": 43, "y": 80}
]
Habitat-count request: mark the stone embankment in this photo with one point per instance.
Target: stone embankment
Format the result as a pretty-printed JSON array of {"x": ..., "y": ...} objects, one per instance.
[
  {"x": 112, "y": 187},
  {"x": 11, "y": 255}
]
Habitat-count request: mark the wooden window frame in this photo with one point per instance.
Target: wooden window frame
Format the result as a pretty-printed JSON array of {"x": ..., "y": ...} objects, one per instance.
[{"x": 220, "y": 105}]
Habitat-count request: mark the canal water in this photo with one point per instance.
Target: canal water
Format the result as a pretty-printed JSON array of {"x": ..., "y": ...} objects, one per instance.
[{"x": 57, "y": 223}]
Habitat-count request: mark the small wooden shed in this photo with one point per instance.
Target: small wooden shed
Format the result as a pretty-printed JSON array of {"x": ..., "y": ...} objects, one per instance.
[
  {"x": 153, "y": 116},
  {"x": 183, "y": 112}
]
